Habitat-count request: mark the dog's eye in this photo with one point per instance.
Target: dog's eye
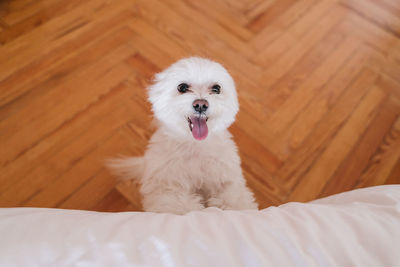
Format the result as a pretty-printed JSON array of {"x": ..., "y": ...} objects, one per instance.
[
  {"x": 216, "y": 89},
  {"x": 183, "y": 88}
]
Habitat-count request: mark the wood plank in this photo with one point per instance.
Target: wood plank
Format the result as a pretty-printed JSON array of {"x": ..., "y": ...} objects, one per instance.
[
  {"x": 391, "y": 67},
  {"x": 302, "y": 159},
  {"x": 374, "y": 13},
  {"x": 256, "y": 8},
  {"x": 315, "y": 179},
  {"x": 78, "y": 176},
  {"x": 270, "y": 14},
  {"x": 309, "y": 67},
  {"x": 91, "y": 192},
  {"x": 31, "y": 125},
  {"x": 236, "y": 5},
  {"x": 324, "y": 100},
  {"x": 257, "y": 130},
  {"x": 13, "y": 6},
  {"x": 313, "y": 82},
  {"x": 51, "y": 35},
  {"x": 3, "y": 26},
  {"x": 96, "y": 115},
  {"x": 45, "y": 13},
  {"x": 250, "y": 147},
  {"x": 179, "y": 30},
  {"x": 358, "y": 159},
  {"x": 28, "y": 180},
  {"x": 229, "y": 25},
  {"x": 262, "y": 192},
  {"x": 282, "y": 55},
  {"x": 267, "y": 185},
  {"x": 32, "y": 81},
  {"x": 15, "y": 11},
  {"x": 370, "y": 33},
  {"x": 114, "y": 202},
  {"x": 394, "y": 176},
  {"x": 391, "y": 6},
  {"x": 151, "y": 52},
  {"x": 384, "y": 161},
  {"x": 130, "y": 191},
  {"x": 302, "y": 25}
]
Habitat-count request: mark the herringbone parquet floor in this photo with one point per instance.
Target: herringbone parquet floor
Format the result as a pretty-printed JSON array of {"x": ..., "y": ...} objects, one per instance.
[{"x": 319, "y": 86}]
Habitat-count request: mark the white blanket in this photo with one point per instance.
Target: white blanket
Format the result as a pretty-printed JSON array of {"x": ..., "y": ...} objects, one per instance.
[{"x": 358, "y": 228}]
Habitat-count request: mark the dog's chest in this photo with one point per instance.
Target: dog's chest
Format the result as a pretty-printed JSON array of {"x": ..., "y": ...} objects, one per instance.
[{"x": 208, "y": 163}]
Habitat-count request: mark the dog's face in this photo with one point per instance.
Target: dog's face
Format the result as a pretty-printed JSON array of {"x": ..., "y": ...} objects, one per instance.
[{"x": 194, "y": 97}]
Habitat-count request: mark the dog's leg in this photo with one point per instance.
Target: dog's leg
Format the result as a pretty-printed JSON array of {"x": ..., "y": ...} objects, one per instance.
[
  {"x": 172, "y": 202},
  {"x": 233, "y": 196}
]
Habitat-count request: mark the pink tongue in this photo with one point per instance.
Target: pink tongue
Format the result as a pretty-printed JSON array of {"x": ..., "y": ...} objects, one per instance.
[{"x": 199, "y": 130}]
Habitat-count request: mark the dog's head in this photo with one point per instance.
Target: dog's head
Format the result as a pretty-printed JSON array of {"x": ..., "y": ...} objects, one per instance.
[{"x": 194, "y": 96}]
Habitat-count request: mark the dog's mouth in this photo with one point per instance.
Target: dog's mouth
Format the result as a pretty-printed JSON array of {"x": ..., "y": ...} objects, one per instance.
[{"x": 198, "y": 126}]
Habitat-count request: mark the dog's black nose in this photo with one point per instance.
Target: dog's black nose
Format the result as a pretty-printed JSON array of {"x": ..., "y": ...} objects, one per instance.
[{"x": 200, "y": 105}]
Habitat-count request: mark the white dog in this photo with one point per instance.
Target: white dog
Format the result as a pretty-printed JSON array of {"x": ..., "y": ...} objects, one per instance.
[{"x": 191, "y": 161}]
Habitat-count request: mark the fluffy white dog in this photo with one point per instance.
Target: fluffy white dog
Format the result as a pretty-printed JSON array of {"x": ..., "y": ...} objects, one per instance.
[{"x": 191, "y": 161}]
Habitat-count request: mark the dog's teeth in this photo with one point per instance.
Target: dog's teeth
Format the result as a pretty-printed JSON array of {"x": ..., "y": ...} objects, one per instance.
[{"x": 191, "y": 125}]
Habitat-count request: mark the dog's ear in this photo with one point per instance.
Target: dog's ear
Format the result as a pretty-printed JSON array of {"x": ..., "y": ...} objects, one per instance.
[
  {"x": 159, "y": 77},
  {"x": 156, "y": 81}
]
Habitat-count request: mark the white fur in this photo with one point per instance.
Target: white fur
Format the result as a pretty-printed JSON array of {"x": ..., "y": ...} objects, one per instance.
[{"x": 179, "y": 173}]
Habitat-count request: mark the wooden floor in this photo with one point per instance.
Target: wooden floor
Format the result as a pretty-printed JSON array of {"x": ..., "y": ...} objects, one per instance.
[{"x": 319, "y": 86}]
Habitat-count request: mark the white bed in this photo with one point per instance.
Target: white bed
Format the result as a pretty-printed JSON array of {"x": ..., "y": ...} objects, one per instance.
[{"x": 357, "y": 228}]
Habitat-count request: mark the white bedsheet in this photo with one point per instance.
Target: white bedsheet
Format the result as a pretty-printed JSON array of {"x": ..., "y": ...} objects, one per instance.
[{"x": 358, "y": 228}]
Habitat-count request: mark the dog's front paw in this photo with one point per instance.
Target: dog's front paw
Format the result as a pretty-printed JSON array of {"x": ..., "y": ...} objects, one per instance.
[
  {"x": 172, "y": 202},
  {"x": 217, "y": 202},
  {"x": 232, "y": 205}
]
